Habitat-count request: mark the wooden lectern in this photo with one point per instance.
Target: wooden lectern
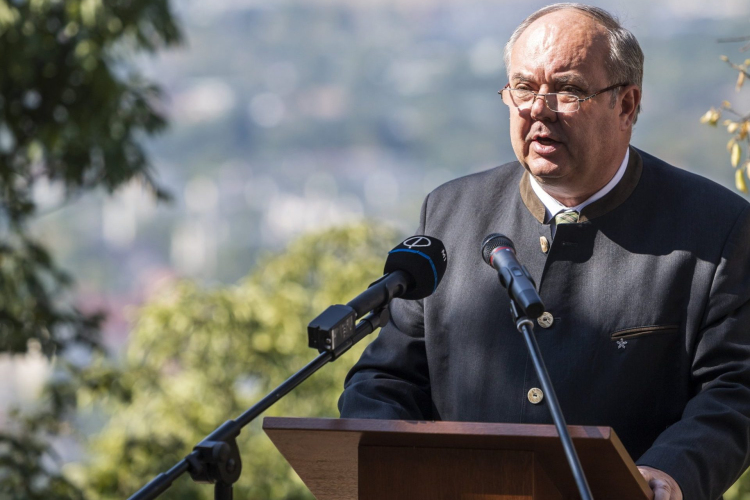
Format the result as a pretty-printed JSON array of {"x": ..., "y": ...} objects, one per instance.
[{"x": 348, "y": 459}]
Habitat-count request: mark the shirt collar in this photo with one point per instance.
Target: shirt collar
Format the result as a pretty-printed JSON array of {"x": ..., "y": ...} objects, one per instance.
[{"x": 553, "y": 207}]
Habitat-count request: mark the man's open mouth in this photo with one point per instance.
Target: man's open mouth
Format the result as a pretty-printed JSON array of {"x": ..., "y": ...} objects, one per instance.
[{"x": 546, "y": 141}]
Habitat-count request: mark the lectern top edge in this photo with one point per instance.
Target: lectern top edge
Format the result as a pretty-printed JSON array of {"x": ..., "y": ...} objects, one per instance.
[{"x": 432, "y": 427}]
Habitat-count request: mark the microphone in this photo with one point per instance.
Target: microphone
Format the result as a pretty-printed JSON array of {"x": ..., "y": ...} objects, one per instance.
[
  {"x": 499, "y": 252},
  {"x": 413, "y": 271}
]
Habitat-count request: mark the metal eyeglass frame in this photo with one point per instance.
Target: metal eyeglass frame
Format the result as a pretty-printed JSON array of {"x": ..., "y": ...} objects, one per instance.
[{"x": 546, "y": 103}]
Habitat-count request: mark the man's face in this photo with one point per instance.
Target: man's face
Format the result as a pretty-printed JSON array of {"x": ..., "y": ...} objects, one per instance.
[{"x": 565, "y": 51}]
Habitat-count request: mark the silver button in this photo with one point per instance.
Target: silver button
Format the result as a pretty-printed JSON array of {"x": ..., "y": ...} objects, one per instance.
[
  {"x": 545, "y": 320},
  {"x": 544, "y": 242},
  {"x": 535, "y": 395}
]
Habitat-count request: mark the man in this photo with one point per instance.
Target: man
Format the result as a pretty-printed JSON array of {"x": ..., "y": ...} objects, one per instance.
[{"x": 644, "y": 270}]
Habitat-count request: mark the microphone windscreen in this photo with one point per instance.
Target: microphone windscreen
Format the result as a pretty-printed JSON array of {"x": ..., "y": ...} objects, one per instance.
[
  {"x": 494, "y": 241},
  {"x": 424, "y": 259}
]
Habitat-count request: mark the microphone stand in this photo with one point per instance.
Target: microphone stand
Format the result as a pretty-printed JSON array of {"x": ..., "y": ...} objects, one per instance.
[
  {"x": 216, "y": 459},
  {"x": 526, "y": 326}
]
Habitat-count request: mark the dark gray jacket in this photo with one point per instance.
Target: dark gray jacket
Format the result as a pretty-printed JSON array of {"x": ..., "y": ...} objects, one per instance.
[{"x": 662, "y": 263}]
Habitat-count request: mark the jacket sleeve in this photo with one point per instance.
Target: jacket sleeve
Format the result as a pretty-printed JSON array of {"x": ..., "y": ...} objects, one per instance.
[
  {"x": 391, "y": 380},
  {"x": 707, "y": 449}
]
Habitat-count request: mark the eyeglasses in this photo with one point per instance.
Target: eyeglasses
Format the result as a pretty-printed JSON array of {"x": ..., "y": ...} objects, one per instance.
[{"x": 559, "y": 102}]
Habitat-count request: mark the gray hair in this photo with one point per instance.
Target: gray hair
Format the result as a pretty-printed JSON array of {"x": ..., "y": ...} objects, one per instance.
[{"x": 625, "y": 61}]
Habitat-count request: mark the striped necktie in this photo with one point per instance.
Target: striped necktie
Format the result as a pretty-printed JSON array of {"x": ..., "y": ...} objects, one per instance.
[{"x": 569, "y": 217}]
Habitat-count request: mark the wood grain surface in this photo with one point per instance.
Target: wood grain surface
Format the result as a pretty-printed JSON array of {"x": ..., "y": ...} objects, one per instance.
[{"x": 326, "y": 455}]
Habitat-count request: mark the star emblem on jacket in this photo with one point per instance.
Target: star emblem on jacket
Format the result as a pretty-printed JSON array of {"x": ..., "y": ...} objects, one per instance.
[{"x": 622, "y": 343}]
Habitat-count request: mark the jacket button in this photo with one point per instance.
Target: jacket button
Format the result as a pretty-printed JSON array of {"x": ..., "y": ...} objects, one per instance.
[
  {"x": 544, "y": 242},
  {"x": 545, "y": 320},
  {"x": 535, "y": 395}
]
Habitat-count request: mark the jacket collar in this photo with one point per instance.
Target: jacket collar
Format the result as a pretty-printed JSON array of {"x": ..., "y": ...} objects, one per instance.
[{"x": 606, "y": 204}]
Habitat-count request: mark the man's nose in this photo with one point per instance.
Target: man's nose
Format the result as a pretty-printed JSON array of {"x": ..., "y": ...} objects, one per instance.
[{"x": 540, "y": 111}]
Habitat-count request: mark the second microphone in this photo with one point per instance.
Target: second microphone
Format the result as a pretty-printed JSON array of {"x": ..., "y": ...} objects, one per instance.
[{"x": 499, "y": 252}]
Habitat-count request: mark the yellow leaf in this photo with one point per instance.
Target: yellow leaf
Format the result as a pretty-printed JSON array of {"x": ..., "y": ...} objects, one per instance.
[
  {"x": 747, "y": 62},
  {"x": 726, "y": 104},
  {"x": 744, "y": 129},
  {"x": 739, "y": 180},
  {"x": 732, "y": 127},
  {"x": 724, "y": 58},
  {"x": 731, "y": 143},
  {"x": 740, "y": 80},
  {"x": 747, "y": 168},
  {"x": 711, "y": 117},
  {"x": 736, "y": 154}
]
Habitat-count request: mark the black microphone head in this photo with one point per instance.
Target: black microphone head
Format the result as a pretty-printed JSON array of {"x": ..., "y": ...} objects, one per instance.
[
  {"x": 424, "y": 259},
  {"x": 494, "y": 241}
]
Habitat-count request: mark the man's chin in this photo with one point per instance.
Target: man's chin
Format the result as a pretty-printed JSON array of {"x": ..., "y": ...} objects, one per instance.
[{"x": 545, "y": 169}]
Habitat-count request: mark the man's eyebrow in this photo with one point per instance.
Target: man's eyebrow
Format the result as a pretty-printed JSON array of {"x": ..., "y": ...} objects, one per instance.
[
  {"x": 520, "y": 77},
  {"x": 572, "y": 79},
  {"x": 560, "y": 80}
]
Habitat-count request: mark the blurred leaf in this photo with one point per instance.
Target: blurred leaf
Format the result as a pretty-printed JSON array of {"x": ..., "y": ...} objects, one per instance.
[
  {"x": 711, "y": 117},
  {"x": 26, "y": 477},
  {"x": 739, "y": 180},
  {"x": 736, "y": 154},
  {"x": 740, "y": 80}
]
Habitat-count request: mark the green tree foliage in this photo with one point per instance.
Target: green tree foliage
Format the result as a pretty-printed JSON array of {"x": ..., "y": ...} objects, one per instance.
[
  {"x": 36, "y": 482},
  {"x": 738, "y": 126},
  {"x": 72, "y": 112},
  {"x": 740, "y": 490},
  {"x": 198, "y": 357}
]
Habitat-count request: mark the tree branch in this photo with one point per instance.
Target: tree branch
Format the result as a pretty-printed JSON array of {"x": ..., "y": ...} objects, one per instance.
[
  {"x": 739, "y": 68},
  {"x": 734, "y": 39}
]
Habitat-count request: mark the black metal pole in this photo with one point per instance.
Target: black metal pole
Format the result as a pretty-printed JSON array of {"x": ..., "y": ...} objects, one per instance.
[
  {"x": 223, "y": 491},
  {"x": 231, "y": 428},
  {"x": 162, "y": 482},
  {"x": 285, "y": 387},
  {"x": 525, "y": 326}
]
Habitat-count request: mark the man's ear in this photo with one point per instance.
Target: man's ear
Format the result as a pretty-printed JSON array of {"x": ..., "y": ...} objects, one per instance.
[{"x": 628, "y": 101}]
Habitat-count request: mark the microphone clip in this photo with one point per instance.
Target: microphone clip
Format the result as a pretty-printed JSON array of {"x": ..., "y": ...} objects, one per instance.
[
  {"x": 335, "y": 330},
  {"x": 331, "y": 328}
]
